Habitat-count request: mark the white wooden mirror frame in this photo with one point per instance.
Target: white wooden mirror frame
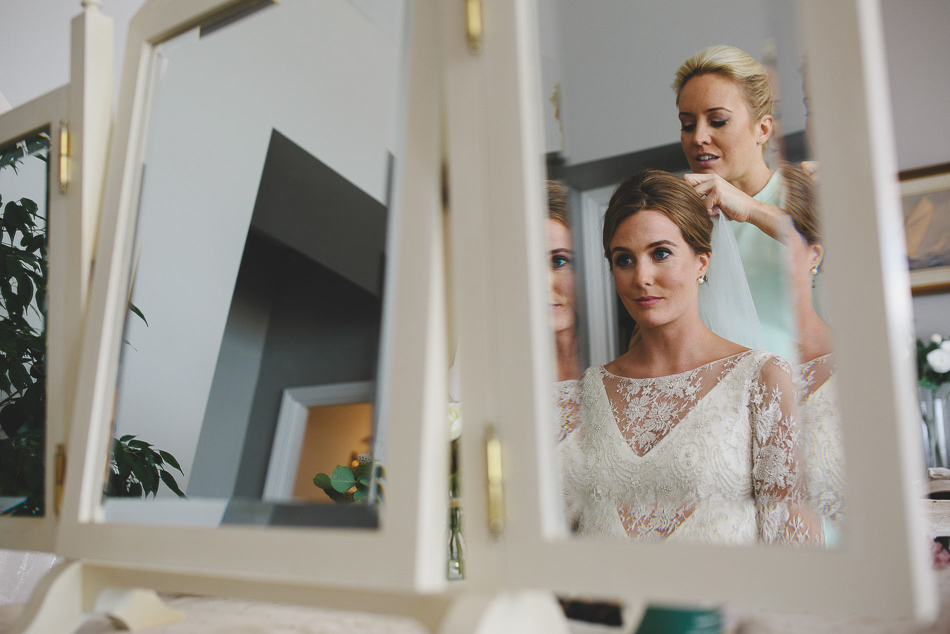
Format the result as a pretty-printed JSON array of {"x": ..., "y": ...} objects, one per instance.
[
  {"x": 496, "y": 169},
  {"x": 85, "y": 107},
  {"x": 494, "y": 146},
  {"x": 407, "y": 551}
]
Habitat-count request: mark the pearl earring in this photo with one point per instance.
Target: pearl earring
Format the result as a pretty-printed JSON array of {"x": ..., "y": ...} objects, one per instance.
[{"x": 703, "y": 279}]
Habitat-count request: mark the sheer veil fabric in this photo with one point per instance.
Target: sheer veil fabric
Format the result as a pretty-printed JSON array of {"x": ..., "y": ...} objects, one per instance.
[{"x": 725, "y": 302}]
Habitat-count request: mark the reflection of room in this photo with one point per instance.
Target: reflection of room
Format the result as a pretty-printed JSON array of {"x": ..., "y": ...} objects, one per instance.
[
  {"x": 335, "y": 435},
  {"x": 261, "y": 173},
  {"x": 304, "y": 313}
]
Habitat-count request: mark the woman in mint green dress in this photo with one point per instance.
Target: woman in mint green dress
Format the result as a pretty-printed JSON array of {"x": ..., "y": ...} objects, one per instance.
[{"x": 725, "y": 103}]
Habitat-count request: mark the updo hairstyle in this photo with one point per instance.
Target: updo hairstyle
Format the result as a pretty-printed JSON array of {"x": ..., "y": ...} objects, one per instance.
[
  {"x": 557, "y": 203},
  {"x": 737, "y": 65},
  {"x": 801, "y": 203},
  {"x": 667, "y": 194}
]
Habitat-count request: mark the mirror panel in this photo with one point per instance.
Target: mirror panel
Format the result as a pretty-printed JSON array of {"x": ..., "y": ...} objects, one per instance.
[
  {"x": 24, "y": 278},
  {"x": 649, "y": 444},
  {"x": 259, "y": 270}
]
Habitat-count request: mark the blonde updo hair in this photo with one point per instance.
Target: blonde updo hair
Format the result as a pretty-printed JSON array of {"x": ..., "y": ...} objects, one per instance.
[
  {"x": 667, "y": 194},
  {"x": 737, "y": 65}
]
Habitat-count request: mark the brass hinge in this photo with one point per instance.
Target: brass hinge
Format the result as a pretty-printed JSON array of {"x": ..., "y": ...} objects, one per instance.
[
  {"x": 59, "y": 477},
  {"x": 63, "y": 156},
  {"x": 473, "y": 21},
  {"x": 496, "y": 490}
]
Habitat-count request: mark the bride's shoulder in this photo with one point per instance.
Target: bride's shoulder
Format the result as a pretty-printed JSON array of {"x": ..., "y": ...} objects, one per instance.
[{"x": 770, "y": 366}]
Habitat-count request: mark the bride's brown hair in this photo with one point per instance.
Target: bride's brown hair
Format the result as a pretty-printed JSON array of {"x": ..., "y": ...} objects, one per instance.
[{"x": 667, "y": 194}]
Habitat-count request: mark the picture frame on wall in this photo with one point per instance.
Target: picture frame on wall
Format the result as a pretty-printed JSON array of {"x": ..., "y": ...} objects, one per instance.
[{"x": 925, "y": 196}]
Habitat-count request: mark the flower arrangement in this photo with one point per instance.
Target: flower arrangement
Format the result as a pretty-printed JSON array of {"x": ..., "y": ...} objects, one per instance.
[{"x": 933, "y": 362}]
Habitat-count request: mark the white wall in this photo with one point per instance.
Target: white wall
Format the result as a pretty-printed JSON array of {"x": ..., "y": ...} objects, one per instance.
[
  {"x": 35, "y": 34},
  {"x": 917, "y": 38}
]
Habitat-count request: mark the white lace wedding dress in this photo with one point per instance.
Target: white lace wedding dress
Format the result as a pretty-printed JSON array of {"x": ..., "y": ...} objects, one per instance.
[
  {"x": 708, "y": 455},
  {"x": 821, "y": 427}
]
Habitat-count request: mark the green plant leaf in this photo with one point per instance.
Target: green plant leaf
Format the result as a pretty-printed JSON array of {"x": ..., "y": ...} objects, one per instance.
[
  {"x": 126, "y": 438},
  {"x": 322, "y": 480},
  {"x": 170, "y": 459},
  {"x": 138, "y": 312},
  {"x": 169, "y": 481},
  {"x": 359, "y": 494},
  {"x": 342, "y": 479}
]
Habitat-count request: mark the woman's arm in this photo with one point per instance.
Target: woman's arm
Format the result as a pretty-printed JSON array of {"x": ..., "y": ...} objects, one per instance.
[
  {"x": 782, "y": 512},
  {"x": 739, "y": 206}
]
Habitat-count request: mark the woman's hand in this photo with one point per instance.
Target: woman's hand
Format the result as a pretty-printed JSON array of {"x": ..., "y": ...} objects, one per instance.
[
  {"x": 717, "y": 192},
  {"x": 736, "y": 205}
]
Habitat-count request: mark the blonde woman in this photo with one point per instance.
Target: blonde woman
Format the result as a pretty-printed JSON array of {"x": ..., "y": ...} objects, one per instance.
[{"x": 725, "y": 104}]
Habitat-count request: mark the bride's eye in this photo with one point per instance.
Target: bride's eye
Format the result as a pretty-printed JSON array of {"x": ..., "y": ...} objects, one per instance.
[
  {"x": 662, "y": 254},
  {"x": 622, "y": 260},
  {"x": 718, "y": 123},
  {"x": 559, "y": 261}
]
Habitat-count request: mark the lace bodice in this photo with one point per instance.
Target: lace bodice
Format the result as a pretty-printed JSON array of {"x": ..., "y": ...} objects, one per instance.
[
  {"x": 569, "y": 459},
  {"x": 710, "y": 454},
  {"x": 821, "y": 427}
]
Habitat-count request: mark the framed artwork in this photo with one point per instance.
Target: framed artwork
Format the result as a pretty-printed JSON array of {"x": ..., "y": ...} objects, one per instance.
[{"x": 925, "y": 194}]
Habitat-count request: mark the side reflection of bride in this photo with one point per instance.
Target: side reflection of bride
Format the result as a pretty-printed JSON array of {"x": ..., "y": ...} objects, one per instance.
[
  {"x": 821, "y": 425},
  {"x": 687, "y": 435},
  {"x": 567, "y": 369}
]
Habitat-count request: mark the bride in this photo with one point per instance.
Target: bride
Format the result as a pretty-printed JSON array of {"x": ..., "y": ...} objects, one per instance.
[{"x": 687, "y": 435}]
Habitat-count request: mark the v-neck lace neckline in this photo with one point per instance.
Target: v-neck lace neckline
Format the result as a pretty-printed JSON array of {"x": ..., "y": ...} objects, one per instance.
[{"x": 646, "y": 411}]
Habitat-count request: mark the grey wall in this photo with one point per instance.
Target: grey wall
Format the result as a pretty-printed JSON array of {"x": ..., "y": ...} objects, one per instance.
[
  {"x": 918, "y": 58},
  {"x": 323, "y": 329}
]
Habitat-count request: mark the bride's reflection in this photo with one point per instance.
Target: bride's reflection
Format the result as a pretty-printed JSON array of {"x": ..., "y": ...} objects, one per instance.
[
  {"x": 687, "y": 435},
  {"x": 824, "y": 469},
  {"x": 567, "y": 369}
]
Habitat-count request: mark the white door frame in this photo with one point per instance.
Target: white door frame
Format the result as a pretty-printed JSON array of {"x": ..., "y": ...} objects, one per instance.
[{"x": 292, "y": 425}]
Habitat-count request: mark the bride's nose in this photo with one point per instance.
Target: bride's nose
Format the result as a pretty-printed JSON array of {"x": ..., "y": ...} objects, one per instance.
[{"x": 643, "y": 275}]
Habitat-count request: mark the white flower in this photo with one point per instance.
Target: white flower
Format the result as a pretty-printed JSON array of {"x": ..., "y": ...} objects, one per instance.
[
  {"x": 939, "y": 360},
  {"x": 935, "y": 338},
  {"x": 945, "y": 346},
  {"x": 455, "y": 421}
]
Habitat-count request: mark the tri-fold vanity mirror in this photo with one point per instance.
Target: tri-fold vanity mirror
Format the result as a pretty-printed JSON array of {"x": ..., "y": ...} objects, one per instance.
[{"x": 270, "y": 302}]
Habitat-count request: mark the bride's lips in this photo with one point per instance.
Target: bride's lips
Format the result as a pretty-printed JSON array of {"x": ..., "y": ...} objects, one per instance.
[
  {"x": 705, "y": 159},
  {"x": 646, "y": 302}
]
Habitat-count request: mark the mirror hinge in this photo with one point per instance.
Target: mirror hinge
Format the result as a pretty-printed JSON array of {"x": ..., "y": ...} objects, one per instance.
[
  {"x": 63, "y": 156},
  {"x": 59, "y": 477},
  {"x": 496, "y": 498},
  {"x": 473, "y": 21}
]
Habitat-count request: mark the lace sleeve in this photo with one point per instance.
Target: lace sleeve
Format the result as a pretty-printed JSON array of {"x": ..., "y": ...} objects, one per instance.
[{"x": 777, "y": 470}]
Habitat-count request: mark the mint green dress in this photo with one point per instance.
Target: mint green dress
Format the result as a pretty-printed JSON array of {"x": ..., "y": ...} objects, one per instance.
[{"x": 766, "y": 267}]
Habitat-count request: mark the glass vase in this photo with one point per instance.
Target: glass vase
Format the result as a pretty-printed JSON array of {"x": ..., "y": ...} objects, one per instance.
[{"x": 933, "y": 409}]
